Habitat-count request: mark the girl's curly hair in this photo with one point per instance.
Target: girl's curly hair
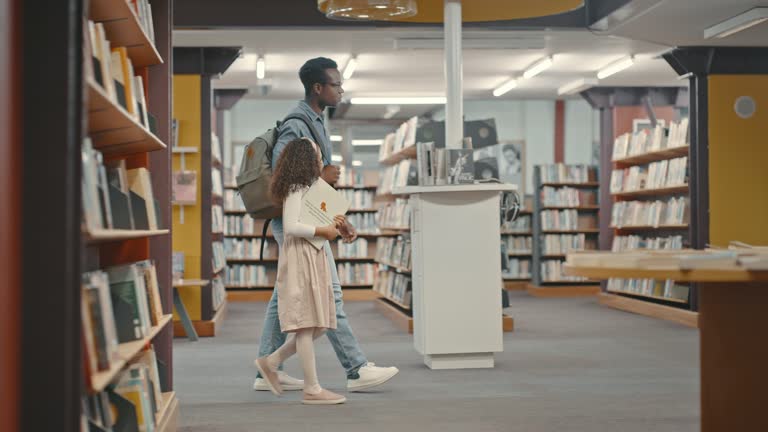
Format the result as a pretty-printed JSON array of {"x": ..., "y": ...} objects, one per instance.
[{"x": 296, "y": 168}]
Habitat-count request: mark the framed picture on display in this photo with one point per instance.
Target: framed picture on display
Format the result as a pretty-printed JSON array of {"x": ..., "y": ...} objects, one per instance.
[{"x": 504, "y": 161}]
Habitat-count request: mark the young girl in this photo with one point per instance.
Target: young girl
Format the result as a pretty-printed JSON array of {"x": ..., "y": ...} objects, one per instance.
[{"x": 306, "y": 305}]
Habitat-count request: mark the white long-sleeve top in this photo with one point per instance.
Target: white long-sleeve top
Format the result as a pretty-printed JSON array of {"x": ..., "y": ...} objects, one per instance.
[{"x": 291, "y": 212}]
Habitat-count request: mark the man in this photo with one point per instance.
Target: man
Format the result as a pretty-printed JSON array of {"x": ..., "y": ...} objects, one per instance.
[{"x": 322, "y": 88}]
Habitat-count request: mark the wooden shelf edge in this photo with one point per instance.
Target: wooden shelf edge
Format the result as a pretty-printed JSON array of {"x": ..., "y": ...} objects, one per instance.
[
  {"x": 115, "y": 14},
  {"x": 564, "y": 290},
  {"x": 126, "y": 352},
  {"x": 640, "y": 307},
  {"x": 650, "y": 192},
  {"x": 401, "y": 320},
  {"x": 572, "y": 184},
  {"x": 190, "y": 282},
  {"x": 667, "y": 299},
  {"x": 167, "y": 419},
  {"x": 650, "y": 227},
  {"x": 113, "y": 235},
  {"x": 654, "y": 156}
]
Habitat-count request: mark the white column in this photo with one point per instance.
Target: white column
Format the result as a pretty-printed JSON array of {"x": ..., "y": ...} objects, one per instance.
[{"x": 454, "y": 79}]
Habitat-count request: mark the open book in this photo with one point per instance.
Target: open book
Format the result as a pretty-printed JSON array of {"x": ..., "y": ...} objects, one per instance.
[{"x": 318, "y": 207}]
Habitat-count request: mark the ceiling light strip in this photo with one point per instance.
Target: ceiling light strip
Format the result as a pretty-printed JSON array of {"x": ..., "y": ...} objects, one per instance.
[
  {"x": 406, "y": 100},
  {"x": 504, "y": 88},
  {"x": 349, "y": 69},
  {"x": 367, "y": 142},
  {"x": 261, "y": 68},
  {"x": 737, "y": 24},
  {"x": 538, "y": 67},
  {"x": 616, "y": 67}
]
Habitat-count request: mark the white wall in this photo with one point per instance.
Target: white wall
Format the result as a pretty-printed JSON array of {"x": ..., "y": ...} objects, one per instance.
[
  {"x": 251, "y": 118},
  {"x": 579, "y": 133}
]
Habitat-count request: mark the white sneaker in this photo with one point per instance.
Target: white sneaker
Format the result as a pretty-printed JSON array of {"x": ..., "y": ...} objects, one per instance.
[
  {"x": 371, "y": 376},
  {"x": 288, "y": 382}
]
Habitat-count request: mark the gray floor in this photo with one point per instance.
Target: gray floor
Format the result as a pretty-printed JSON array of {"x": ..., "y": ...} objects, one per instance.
[{"x": 571, "y": 365}]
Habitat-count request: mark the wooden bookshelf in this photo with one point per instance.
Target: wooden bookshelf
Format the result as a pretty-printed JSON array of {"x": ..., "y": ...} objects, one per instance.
[
  {"x": 397, "y": 157},
  {"x": 115, "y": 235},
  {"x": 113, "y": 130},
  {"x": 650, "y": 227},
  {"x": 541, "y": 286},
  {"x": 168, "y": 416},
  {"x": 122, "y": 28},
  {"x": 356, "y": 187},
  {"x": 516, "y": 233},
  {"x": 655, "y": 297},
  {"x": 668, "y": 190},
  {"x": 396, "y": 314},
  {"x": 655, "y": 156},
  {"x": 127, "y": 351}
]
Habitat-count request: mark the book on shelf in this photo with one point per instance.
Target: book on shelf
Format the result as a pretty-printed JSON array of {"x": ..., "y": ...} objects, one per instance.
[
  {"x": 365, "y": 223},
  {"x": 216, "y": 150},
  {"x": 503, "y": 161},
  {"x": 217, "y": 219},
  {"x": 358, "y": 199},
  {"x": 98, "y": 321},
  {"x": 217, "y": 188},
  {"x": 552, "y": 270},
  {"x": 236, "y": 248},
  {"x": 218, "y": 258},
  {"x": 218, "y": 292},
  {"x": 518, "y": 244},
  {"x": 649, "y": 141},
  {"x": 567, "y": 220},
  {"x": 184, "y": 187},
  {"x": 97, "y": 208},
  {"x": 140, "y": 184},
  {"x": 521, "y": 225},
  {"x": 561, "y": 244},
  {"x": 240, "y": 225},
  {"x": 356, "y": 274},
  {"x": 350, "y": 177},
  {"x": 394, "y": 286},
  {"x": 398, "y": 175},
  {"x": 394, "y": 251},
  {"x": 660, "y": 289},
  {"x": 356, "y": 249},
  {"x": 514, "y": 268},
  {"x": 567, "y": 197},
  {"x": 232, "y": 201},
  {"x": 655, "y": 175},
  {"x": 246, "y": 275},
  {"x": 102, "y": 59},
  {"x": 130, "y": 302},
  {"x": 141, "y": 101},
  {"x": 403, "y": 137},
  {"x": 633, "y": 242},
  {"x": 122, "y": 73},
  {"x": 562, "y": 173},
  {"x": 459, "y": 166},
  {"x": 396, "y": 214},
  {"x": 674, "y": 211}
]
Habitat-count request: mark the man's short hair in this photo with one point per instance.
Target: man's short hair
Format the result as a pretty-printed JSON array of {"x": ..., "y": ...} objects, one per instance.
[{"x": 313, "y": 72}]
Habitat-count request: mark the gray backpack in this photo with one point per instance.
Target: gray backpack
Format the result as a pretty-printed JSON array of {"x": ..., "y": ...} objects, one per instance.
[{"x": 255, "y": 173}]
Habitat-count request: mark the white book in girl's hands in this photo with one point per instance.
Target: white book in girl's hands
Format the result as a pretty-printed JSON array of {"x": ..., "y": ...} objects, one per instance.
[{"x": 319, "y": 206}]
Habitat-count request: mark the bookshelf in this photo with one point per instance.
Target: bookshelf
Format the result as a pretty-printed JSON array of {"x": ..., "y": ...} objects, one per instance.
[
  {"x": 198, "y": 222},
  {"x": 565, "y": 218},
  {"x": 517, "y": 240},
  {"x": 655, "y": 217},
  {"x": 126, "y": 179}
]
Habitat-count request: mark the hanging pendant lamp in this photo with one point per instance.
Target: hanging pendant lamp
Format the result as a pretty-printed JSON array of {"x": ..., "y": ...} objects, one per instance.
[{"x": 367, "y": 10}]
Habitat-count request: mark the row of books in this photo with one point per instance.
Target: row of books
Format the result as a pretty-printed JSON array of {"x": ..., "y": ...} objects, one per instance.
[
  {"x": 666, "y": 173},
  {"x": 216, "y": 151},
  {"x": 516, "y": 268},
  {"x": 350, "y": 177},
  {"x": 237, "y": 248},
  {"x": 115, "y": 197},
  {"x": 133, "y": 402},
  {"x": 553, "y": 271},
  {"x": 674, "y": 211},
  {"x": 364, "y": 223},
  {"x": 394, "y": 286},
  {"x": 119, "y": 304},
  {"x": 356, "y": 249},
  {"x": 665, "y": 289},
  {"x": 398, "y": 175},
  {"x": 356, "y": 274},
  {"x": 561, "y": 173},
  {"x": 519, "y": 245},
  {"x": 567, "y": 220},
  {"x": 218, "y": 292},
  {"x": 217, "y": 219},
  {"x": 395, "y": 251},
  {"x": 217, "y": 188},
  {"x": 564, "y": 243},
  {"x": 358, "y": 199},
  {"x": 218, "y": 258},
  {"x": 567, "y": 197},
  {"x": 633, "y": 242},
  {"x": 440, "y": 166},
  {"x": 648, "y": 141},
  {"x": 241, "y": 225},
  {"x": 232, "y": 200},
  {"x": 112, "y": 69},
  {"x": 184, "y": 187},
  {"x": 520, "y": 225},
  {"x": 403, "y": 137},
  {"x": 396, "y": 214},
  {"x": 246, "y": 275}
]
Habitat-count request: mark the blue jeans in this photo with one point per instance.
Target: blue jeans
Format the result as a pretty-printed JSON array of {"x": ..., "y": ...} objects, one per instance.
[{"x": 342, "y": 339}]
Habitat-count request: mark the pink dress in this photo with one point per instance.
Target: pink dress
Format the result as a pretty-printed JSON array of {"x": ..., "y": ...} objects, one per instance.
[{"x": 304, "y": 291}]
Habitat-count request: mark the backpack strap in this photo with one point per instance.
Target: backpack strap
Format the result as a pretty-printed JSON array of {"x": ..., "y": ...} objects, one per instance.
[
  {"x": 312, "y": 130},
  {"x": 264, "y": 238}
]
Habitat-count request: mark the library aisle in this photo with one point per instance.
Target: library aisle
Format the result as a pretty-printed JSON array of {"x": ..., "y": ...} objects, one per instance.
[{"x": 570, "y": 365}]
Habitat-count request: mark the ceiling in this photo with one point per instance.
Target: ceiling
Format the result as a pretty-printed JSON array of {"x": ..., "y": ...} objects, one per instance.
[{"x": 384, "y": 70}]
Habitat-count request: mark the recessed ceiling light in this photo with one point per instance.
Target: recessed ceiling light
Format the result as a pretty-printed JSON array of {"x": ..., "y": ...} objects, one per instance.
[
  {"x": 337, "y": 138},
  {"x": 577, "y": 86},
  {"x": 367, "y": 142},
  {"x": 408, "y": 100},
  {"x": 261, "y": 68},
  {"x": 538, "y": 67},
  {"x": 616, "y": 67},
  {"x": 738, "y": 23},
  {"x": 349, "y": 69},
  {"x": 504, "y": 88}
]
